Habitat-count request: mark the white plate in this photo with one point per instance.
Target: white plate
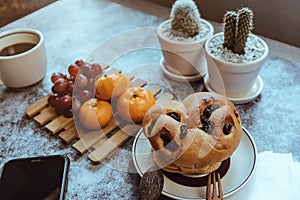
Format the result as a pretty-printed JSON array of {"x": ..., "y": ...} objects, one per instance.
[
  {"x": 241, "y": 168},
  {"x": 177, "y": 77},
  {"x": 254, "y": 92}
]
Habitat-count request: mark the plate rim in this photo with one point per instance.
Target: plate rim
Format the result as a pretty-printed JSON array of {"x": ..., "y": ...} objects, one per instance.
[{"x": 229, "y": 193}]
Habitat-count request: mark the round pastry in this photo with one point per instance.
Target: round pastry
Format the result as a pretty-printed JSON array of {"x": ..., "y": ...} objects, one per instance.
[{"x": 193, "y": 136}]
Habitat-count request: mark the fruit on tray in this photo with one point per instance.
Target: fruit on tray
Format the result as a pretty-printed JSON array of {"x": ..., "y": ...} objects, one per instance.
[
  {"x": 95, "y": 113},
  {"x": 133, "y": 104},
  {"x": 111, "y": 85},
  {"x": 72, "y": 89}
]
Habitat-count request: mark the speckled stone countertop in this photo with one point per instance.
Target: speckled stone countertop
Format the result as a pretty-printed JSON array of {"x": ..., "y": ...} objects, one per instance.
[{"x": 73, "y": 29}]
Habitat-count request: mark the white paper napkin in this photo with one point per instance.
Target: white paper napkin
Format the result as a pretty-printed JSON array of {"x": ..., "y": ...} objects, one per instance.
[{"x": 276, "y": 176}]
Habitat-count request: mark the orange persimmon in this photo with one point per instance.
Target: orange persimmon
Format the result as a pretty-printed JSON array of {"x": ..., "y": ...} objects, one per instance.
[
  {"x": 133, "y": 104},
  {"x": 111, "y": 85},
  {"x": 95, "y": 113}
]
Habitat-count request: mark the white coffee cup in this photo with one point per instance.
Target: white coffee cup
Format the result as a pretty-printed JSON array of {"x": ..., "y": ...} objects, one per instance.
[{"x": 26, "y": 68}]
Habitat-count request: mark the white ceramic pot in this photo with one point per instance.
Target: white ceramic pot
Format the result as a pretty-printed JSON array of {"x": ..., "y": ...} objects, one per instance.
[
  {"x": 184, "y": 58},
  {"x": 233, "y": 80}
]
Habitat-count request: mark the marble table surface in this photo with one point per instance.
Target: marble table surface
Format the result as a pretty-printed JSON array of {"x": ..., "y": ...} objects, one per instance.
[{"x": 75, "y": 29}]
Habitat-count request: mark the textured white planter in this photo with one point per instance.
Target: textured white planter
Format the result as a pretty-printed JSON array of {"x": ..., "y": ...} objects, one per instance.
[
  {"x": 233, "y": 80},
  {"x": 186, "y": 58}
]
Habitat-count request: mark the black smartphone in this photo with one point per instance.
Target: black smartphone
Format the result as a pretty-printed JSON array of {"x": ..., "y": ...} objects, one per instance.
[{"x": 35, "y": 178}]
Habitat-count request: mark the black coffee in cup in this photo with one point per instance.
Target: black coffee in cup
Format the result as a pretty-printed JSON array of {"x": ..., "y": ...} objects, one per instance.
[{"x": 16, "y": 49}]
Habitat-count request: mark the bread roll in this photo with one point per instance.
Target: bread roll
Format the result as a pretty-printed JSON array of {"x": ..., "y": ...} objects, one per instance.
[{"x": 193, "y": 136}]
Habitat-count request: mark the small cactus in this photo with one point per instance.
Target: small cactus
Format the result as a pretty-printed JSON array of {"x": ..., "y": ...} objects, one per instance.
[
  {"x": 185, "y": 18},
  {"x": 244, "y": 27},
  {"x": 230, "y": 21},
  {"x": 237, "y": 27}
]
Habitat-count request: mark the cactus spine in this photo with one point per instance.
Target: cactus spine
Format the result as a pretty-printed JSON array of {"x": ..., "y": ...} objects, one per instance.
[
  {"x": 237, "y": 27},
  {"x": 185, "y": 18}
]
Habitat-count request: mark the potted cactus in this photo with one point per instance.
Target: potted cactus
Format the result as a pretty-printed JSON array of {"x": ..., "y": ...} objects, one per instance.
[
  {"x": 235, "y": 57},
  {"x": 182, "y": 39}
]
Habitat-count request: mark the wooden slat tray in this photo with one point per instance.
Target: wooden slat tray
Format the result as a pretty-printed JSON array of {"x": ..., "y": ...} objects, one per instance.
[{"x": 99, "y": 144}]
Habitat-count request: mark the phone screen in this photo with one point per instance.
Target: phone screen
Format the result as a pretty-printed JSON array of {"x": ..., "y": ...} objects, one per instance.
[{"x": 34, "y": 178}]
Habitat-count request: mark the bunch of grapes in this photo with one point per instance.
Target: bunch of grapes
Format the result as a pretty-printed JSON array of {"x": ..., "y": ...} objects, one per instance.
[{"x": 73, "y": 89}]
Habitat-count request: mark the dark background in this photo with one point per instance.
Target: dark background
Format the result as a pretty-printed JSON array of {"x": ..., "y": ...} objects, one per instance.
[
  {"x": 275, "y": 19},
  {"x": 11, "y": 10}
]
